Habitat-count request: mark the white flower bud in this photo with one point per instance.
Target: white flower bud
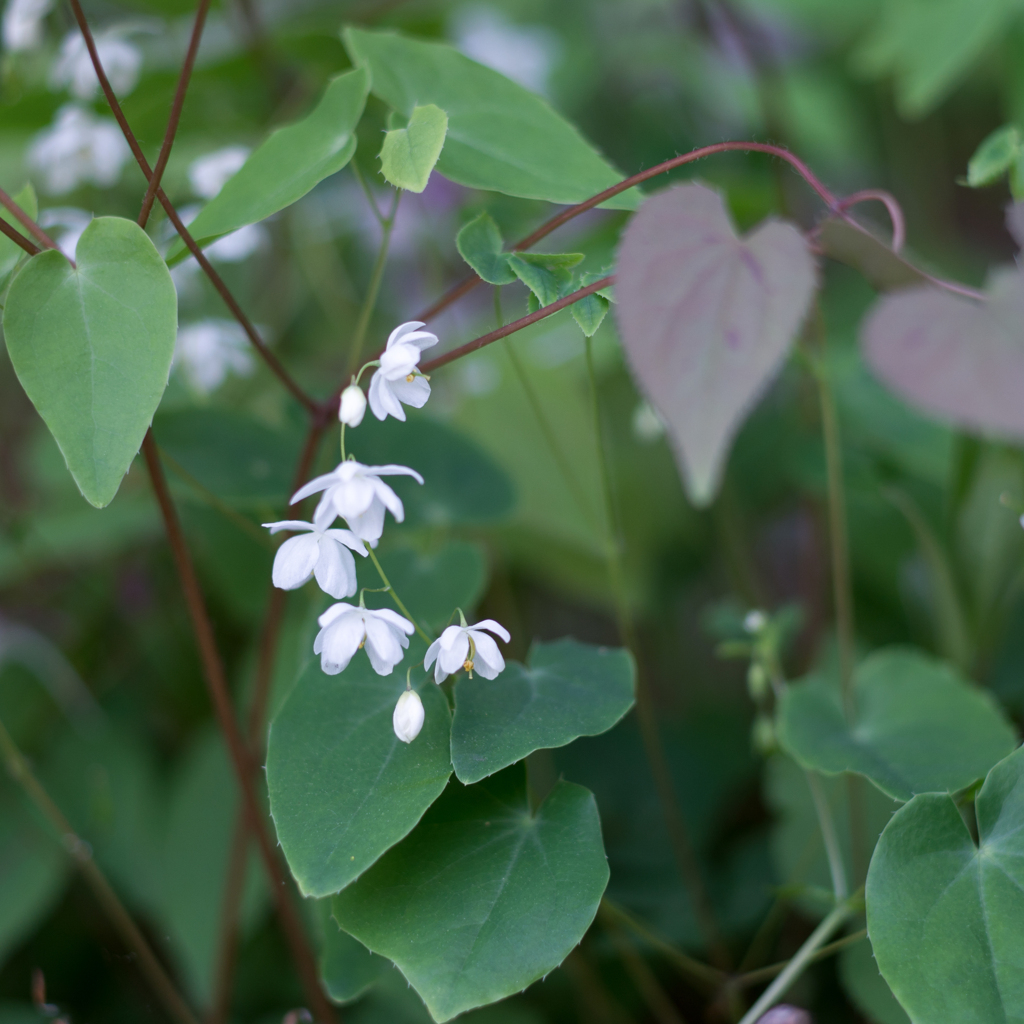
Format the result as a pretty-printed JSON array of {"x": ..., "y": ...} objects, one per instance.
[
  {"x": 408, "y": 716},
  {"x": 353, "y": 405}
]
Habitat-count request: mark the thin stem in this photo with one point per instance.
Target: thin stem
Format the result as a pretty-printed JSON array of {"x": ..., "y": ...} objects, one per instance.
[
  {"x": 381, "y": 219},
  {"x": 775, "y": 991},
  {"x": 80, "y": 851},
  {"x": 18, "y": 238},
  {"x": 227, "y": 945},
  {"x": 394, "y": 597},
  {"x": 645, "y": 980},
  {"x": 829, "y": 836},
  {"x": 26, "y": 222},
  {"x": 773, "y": 970},
  {"x": 899, "y": 230}
]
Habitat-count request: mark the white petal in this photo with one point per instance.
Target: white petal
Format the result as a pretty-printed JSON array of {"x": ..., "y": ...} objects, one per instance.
[
  {"x": 341, "y": 640},
  {"x": 349, "y": 539},
  {"x": 334, "y": 611},
  {"x": 325, "y": 512},
  {"x": 393, "y": 470},
  {"x": 382, "y": 646},
  {"x": 394, "y": 619},
  {"x": 495, "y": 627},
  {"x": 449, "y": 636},
  {"x": 390, "y": 499},
  {"x": 413, "y": 392},
  {"x": 421, "y": 339},
  {"x": 336, "y": 569},
  {"x": 354, "y": 497},
  {"x": 288, "y": 524},
  {"x": 488, "y": 660},
  {"x": 431, "y": 654},
  {"x": 376, "y": 408},
  {"x": 401, "y": 330},
  {"x": 294, "y": 561},
  {"x": 382, "y": 401},
  {"x": 370, "y": 525},
  {"x": 318, "y": 483},
  {"x": 454, "y": 658},
  {"x": 408, "y": 717},
  {"x": 399, "y": 362}
]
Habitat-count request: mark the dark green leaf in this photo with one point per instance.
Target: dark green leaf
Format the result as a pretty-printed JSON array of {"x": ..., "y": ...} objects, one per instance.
[
  {"x": 347, "y": 968},
  {"x": 410, "y": 153},
  {"x": 484, "y": 897},
  {"x": 480, "y": 244},
  {"x": 547, "y": 275},
  {"x": 569, "y": 690},
  {"x": 998, "y": 152}
]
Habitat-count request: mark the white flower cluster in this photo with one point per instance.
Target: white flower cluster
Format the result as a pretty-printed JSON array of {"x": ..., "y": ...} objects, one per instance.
[{"x": 357, "y": 494}]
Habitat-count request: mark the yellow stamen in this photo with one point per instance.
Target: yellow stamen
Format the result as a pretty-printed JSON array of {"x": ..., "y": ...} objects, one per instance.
[{"x": 411, "y": 377}]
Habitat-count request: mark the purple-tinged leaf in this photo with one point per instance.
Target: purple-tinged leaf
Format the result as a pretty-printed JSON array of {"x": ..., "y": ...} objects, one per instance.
[{"x": 707, "y": 318}]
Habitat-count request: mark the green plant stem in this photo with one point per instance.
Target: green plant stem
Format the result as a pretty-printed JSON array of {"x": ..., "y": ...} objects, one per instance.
[
  {"x": 394, "y": 596},
  {"x": 645, "y": 980},
  {"x": 829, "y": 837},
  {"x": 366, "y": 192},
  {"x": 774, "y": 970},
  {"x": 80, "y": 851}
]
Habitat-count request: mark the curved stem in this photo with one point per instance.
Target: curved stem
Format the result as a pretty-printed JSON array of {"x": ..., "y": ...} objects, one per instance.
[
  {"x": 899, "y": 231},
  {"x": 394, "y": 597},
  {"x": 829, "y": 837}
]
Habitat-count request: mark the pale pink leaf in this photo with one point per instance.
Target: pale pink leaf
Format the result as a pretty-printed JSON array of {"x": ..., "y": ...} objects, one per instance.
[{"x": 707, "y": 319}]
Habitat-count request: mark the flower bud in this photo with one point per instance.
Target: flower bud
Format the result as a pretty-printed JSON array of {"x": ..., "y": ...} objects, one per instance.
[
  {"x": 408, "y": 716},
  {"x": 353, "y": 405}
]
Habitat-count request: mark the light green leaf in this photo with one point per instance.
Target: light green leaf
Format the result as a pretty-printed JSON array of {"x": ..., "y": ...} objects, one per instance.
[
  {"x": 920, "y": 727},
  {"x": 410, "y": 153},
  {"x": 11, "y": 252},
  {"x": 347, "y": 968},
  {"x": 589, "y": 313},
  {"x": 343, "y": 787},
  {"x": 946, "y": 915},
  {"x": 287, "y": 165},
  {"x": 480, "y": 244},
  {"x": 998, "y": 152},
  {"x": 547, "y": 275},
  {"x": 92, "y": 347},
  {"x": 569, "y": 690},
  {"x": 501, "y": 137},
  {"x": 866, "y": 986},
  {"x": 484, "y": 897}
]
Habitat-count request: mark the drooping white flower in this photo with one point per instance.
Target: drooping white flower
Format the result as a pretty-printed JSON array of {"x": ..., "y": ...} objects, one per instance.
[
  {"x": 408, "y": 717},
  {"x": 352, "y": 406},
  {"x": 208, "y": 350},
  {"x": 321, "y": 553},
  {"x": 73, "y": 68},
  {"x": 396, "y": 381},
  {"x": 357, "y": 494},
  {"x": 469, "y": 648},
  {"x": 23, "y": 23},
  {"x": 208, "y": 173},
  {"x": 344, "y": 628},
  {"x": 78, "y": 147},
  {"x": 71, "y": 220}
]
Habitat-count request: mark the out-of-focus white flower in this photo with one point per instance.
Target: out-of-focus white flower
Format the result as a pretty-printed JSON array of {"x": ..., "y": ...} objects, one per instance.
[
  {"x": 208, "y": 174},
  {"x": 344, "y": 628},
  {"x": 526, "y": 54},
  {"x": 323, "y": 553},
  {"x": 357, "y": 494},
  {"x": 73, "y": 220},
  {"x": 755, "y": 621},
  {"x": 469, "y": 648},
  {"x": 73, "y": 67},
  {"x": 352, "y": 406},
  {"x": 397, "y": 379},
  {"x": 209, "y": 350},
  {"x": 408, "y": 717},
  {"x": 237, "y": 246},
  {"x": 78, "y": 147},
  {"x": 647, "y": 423},
  {"x": 23, "y": 23}
]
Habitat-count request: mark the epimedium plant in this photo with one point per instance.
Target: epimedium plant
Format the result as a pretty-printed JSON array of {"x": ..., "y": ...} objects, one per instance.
[{"x": 476, "y": 886}]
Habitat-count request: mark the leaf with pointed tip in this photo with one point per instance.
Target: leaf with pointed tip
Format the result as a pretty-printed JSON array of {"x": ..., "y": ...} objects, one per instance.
[
  {"x": 707, "y": 318},
  {"x": 347, "y": 968},
  {"x": 998, "y": 152},
  {"x": 547, "y": 275},
  {"x": 92, "y": 347},
  {"x": 851, "y": 244},
  {"x": 410, "y": 153},
  {"x": 483, "y": 897},
  {"x": 480, "y": 244}
]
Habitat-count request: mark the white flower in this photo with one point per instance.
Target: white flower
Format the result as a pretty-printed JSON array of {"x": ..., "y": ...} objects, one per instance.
[
  {"x": 73, "y": 67},
  {"x": 238, "y": 245},
  {"x": 357, "y": 494},
  {"x": 755, "y": 621},
  {"x": 396, "y": 381},
  {"x": 209, "y": 350},
  {"x": 408, "y": 717},
  {"x": 73, "y": 220},
  {"x": 208, "y": 174},
  {"x": 323, "y": 553},
  {"x": 352, "y": 407},
  {"x": 23, "y": 23},
  {"x": 469, "y": 648},
  {"x": 76, "y": 148},
  {"x": 344, "y": 628}
]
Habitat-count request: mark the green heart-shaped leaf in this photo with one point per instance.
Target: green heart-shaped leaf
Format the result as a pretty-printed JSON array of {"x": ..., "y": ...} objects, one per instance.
[
  {"x": 343, "y": 787},
  {"x": 92, "y": 347},
  {"x": 410, "y": 153},
  {"x": 483, "y": 897},
  {"x": 569, "y": 690},
  {"x": 480, "y": 244},
  {"x": 946, "y": 915},
  {"x": 920, "y": 727}
]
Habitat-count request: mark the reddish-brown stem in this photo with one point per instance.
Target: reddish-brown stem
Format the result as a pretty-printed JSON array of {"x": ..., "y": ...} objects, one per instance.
[
  {"x": 888, "y": 200},
  {"x": 18, "y": 238},
  {"x": 175, "y": 115},
  {"x": 26, "y": 222},
  {"x": 231, "y": 901},
  {"x": 241, "y": 759},
  {"x": 269, "y": 358}
]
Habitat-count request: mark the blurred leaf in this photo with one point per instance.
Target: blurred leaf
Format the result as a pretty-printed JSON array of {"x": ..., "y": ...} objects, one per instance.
[
  {"x": 480, "y": 244},
  {"x": 851, "y": 244},
  {"x": 569, "y": 690},
  {"x": 707, "y": 319},
  {"x": 92, "y": 347},
  {"x": 998, "y": 152},
  {"x": 343, "y": 787},
  {"x": 511, "y": 891},
  {"x": 501, "y": 137},
  {"x": 946, "y": 916},
  {"x": 347, "y": 968},
  {"x": 287, "y": 165},
  {"x": 11, "y": 252},
  {"x": 410, "y": 153},
  {"x": 920, "y": 727},
  {"x": 547, "y": 275},
  {"x": 867, "y": 988}
]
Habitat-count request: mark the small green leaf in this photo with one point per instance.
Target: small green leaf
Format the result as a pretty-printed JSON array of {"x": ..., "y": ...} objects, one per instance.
[
  {"x": 343, "y": 787},
  {"x": 569, "y": 690},
  {"x": 920, "y": 727},
  {"x": 484, "y": 897},
  {"x": 547, "y": 275},
  {"x": 946, "y": 915},
  {"x": 11, "y": 252},
  {"x": 480, "y": 244},
  {"x": 409, "y": 154},
  {"x": 998, "y": 152},
  {"x": 92, "y": 347},
  {"x": 347, "y": 968},
  {"x": 287, "y": 165},
  {"x": 589, "y": 313}
]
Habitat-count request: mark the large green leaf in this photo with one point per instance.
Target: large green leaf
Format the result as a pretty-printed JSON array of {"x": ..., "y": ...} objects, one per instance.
[
  {"x": 501, "y": 137},
  {"x": 409, "y": 154},
  {"x": 946, "y": 915},
  {"x": 347, "y": 968},
  {"x": 92, "y": 347},
  {"x": 569, "y": 690},
  {"x": 343, "y": 787},
  {"x": 867, "y": 988},
  {"x": 287, "y": 165},
  {"x": 484, "y": 897},
  {"x": 920, "y": 727}
]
